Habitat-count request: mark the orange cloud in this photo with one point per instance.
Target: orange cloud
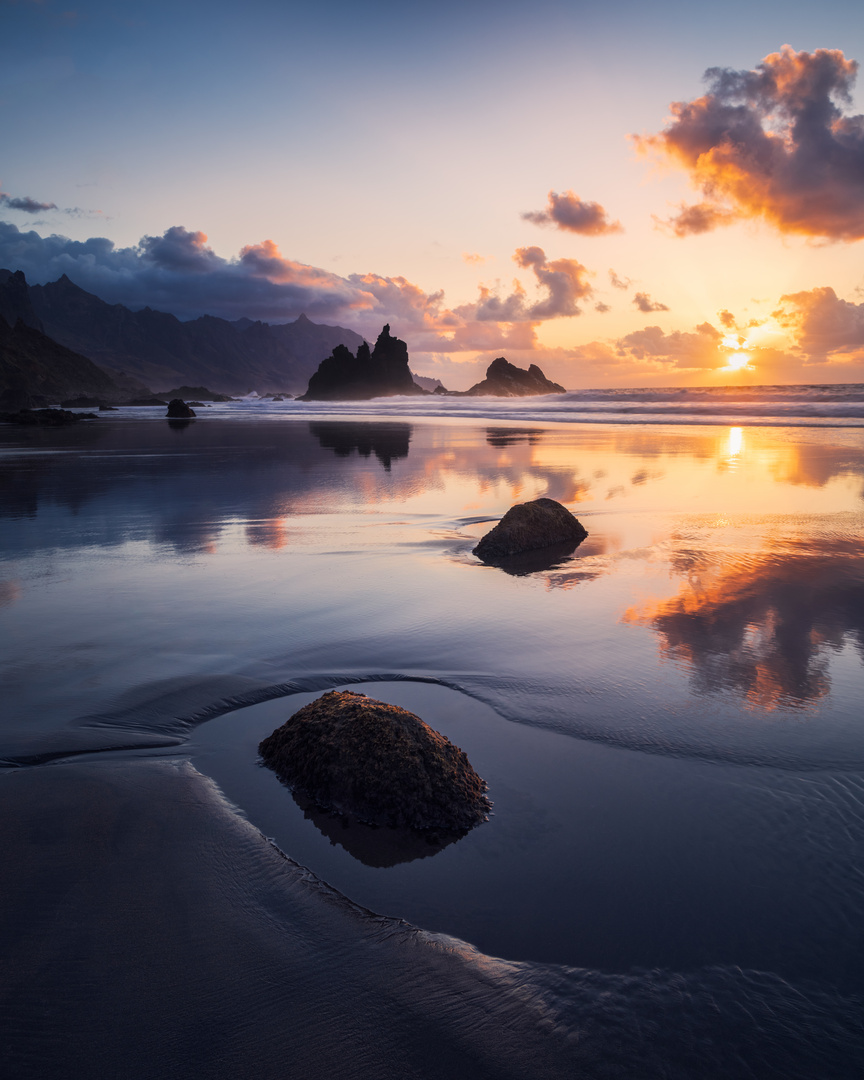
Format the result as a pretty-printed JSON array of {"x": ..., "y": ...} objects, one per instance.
[
  {"x": 772, "y": 143},
  {"x": 823, "y": 323}
]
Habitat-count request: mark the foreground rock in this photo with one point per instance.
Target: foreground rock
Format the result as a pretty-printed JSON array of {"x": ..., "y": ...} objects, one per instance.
[
  {"x": 179, "y": 410},
  {"x": 504, "y": 379},
  {"x": 528, "y": 527},
  {"x": 45, "y": 417},
  {"x": 383, "y": 372},
  {"x": 376, "y": 762}
]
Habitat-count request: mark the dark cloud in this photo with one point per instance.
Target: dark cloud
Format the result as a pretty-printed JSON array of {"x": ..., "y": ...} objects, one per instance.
[
  {"x": 601, "y": 307},
  {"x": 644, "y": 302},
  {"x": 695, "y": 219},
  {"x": 28, "y": 205},
  {"x": 773, "y": 143},
  {"x": 572, "y": 214},
  {"x": 619, "y": 282},
  {"x": 727, "y": 319},
  {"x": 178, "y": 272}
]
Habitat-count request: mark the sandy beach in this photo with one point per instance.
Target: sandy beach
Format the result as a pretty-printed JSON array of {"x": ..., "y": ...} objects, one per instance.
[{"x": 667, "y": 718}]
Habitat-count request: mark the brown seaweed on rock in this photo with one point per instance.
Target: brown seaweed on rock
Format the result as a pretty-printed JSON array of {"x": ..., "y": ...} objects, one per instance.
[{"x": 376, "y": 762}]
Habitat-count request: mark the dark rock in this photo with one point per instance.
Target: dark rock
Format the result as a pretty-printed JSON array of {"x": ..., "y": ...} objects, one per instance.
[
  {"x": 383, "y": 372},
  {"x": 504, "y": 379},
  {"x": 107, "y": 408},
  {"x": 45, "y": 417},
  {"x": 153, "y": 401},
  {"x": 528, "y": 527},
  {"x": 349, "y": 753},
  {"x": 82, "y": 402},
  {"x": 179, "y": 410}
]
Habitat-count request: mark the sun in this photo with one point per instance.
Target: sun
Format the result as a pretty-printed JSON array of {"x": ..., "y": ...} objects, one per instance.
[{"x": 737, "y": 361}]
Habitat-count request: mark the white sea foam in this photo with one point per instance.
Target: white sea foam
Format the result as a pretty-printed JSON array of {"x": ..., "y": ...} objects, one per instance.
[{"x": 840, "y": 405}]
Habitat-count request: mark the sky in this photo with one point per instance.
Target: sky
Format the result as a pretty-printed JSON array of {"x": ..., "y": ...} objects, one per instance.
[{"x": 632, "y": 194}]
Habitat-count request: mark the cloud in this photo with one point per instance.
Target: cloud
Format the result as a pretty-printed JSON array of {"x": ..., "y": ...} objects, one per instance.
[
  {"x": 565, "y": 282},
  {"x": 644, "y": 302},
  {"x": 772, "y": 143},
  {"x": 601, "y": 307},
  {"x": 679, "y": 349},
  {"x": 180, "y": 273},
  {"x": 823, "y": 324},
  {"x": 697, "y": 218},
  {"x": 619, "y": 282},
  {"x": 572, "y": 214},
  {"x": 473, "y": 259},
  {"x": 727, "y": 319},
  {"x": 28, "y": 205}
]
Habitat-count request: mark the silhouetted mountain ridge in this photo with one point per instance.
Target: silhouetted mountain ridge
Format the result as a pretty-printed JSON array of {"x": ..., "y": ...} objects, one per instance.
[{"x": 160, "y": 350}]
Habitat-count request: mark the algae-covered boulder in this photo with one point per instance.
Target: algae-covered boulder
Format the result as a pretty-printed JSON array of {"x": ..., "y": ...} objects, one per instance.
[
  {"x": 377, "y": 762},
  {"x": 528, "y": 527}
]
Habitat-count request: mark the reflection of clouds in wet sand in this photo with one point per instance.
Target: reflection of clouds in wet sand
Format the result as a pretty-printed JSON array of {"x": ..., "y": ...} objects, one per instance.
[
  {"x": 10, "y": 591},
  {"x": 763, "y": 626}
]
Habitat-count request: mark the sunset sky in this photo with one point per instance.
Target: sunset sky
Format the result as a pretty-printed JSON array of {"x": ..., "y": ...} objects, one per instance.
[{"x": 559, "y": 183}]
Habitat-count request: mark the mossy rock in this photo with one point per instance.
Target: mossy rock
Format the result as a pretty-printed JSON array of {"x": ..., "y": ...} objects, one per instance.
[{"x": 378, "y": 763}]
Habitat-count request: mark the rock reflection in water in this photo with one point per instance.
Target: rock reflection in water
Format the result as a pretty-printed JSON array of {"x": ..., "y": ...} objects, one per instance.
[
  {"x": 388, "y": 442},
  {"x": 373, "y": 845},
  {"x": 511, "y": 436}
]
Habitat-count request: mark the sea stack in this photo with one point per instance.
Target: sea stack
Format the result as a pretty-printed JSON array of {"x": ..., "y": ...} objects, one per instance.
[
  {"x": 504, "y": 379},
  {"x": 381, "y": 372},
  {"x": 376, "y": 762}
]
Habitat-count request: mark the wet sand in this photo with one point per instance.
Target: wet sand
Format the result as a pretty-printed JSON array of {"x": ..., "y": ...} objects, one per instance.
[{"x": 669, "y": 718}]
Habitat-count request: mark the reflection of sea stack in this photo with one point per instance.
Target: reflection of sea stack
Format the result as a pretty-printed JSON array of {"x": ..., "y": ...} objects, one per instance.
[
  {"x": 530, "y": 526},
  {"x": 383, "y": 372},
  {"x": 377, "y": 762},
  {"x": 388, "y": 442}
]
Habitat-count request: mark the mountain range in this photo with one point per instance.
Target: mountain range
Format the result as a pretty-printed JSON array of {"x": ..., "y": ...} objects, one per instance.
[{"x": 60, "y": 329}]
